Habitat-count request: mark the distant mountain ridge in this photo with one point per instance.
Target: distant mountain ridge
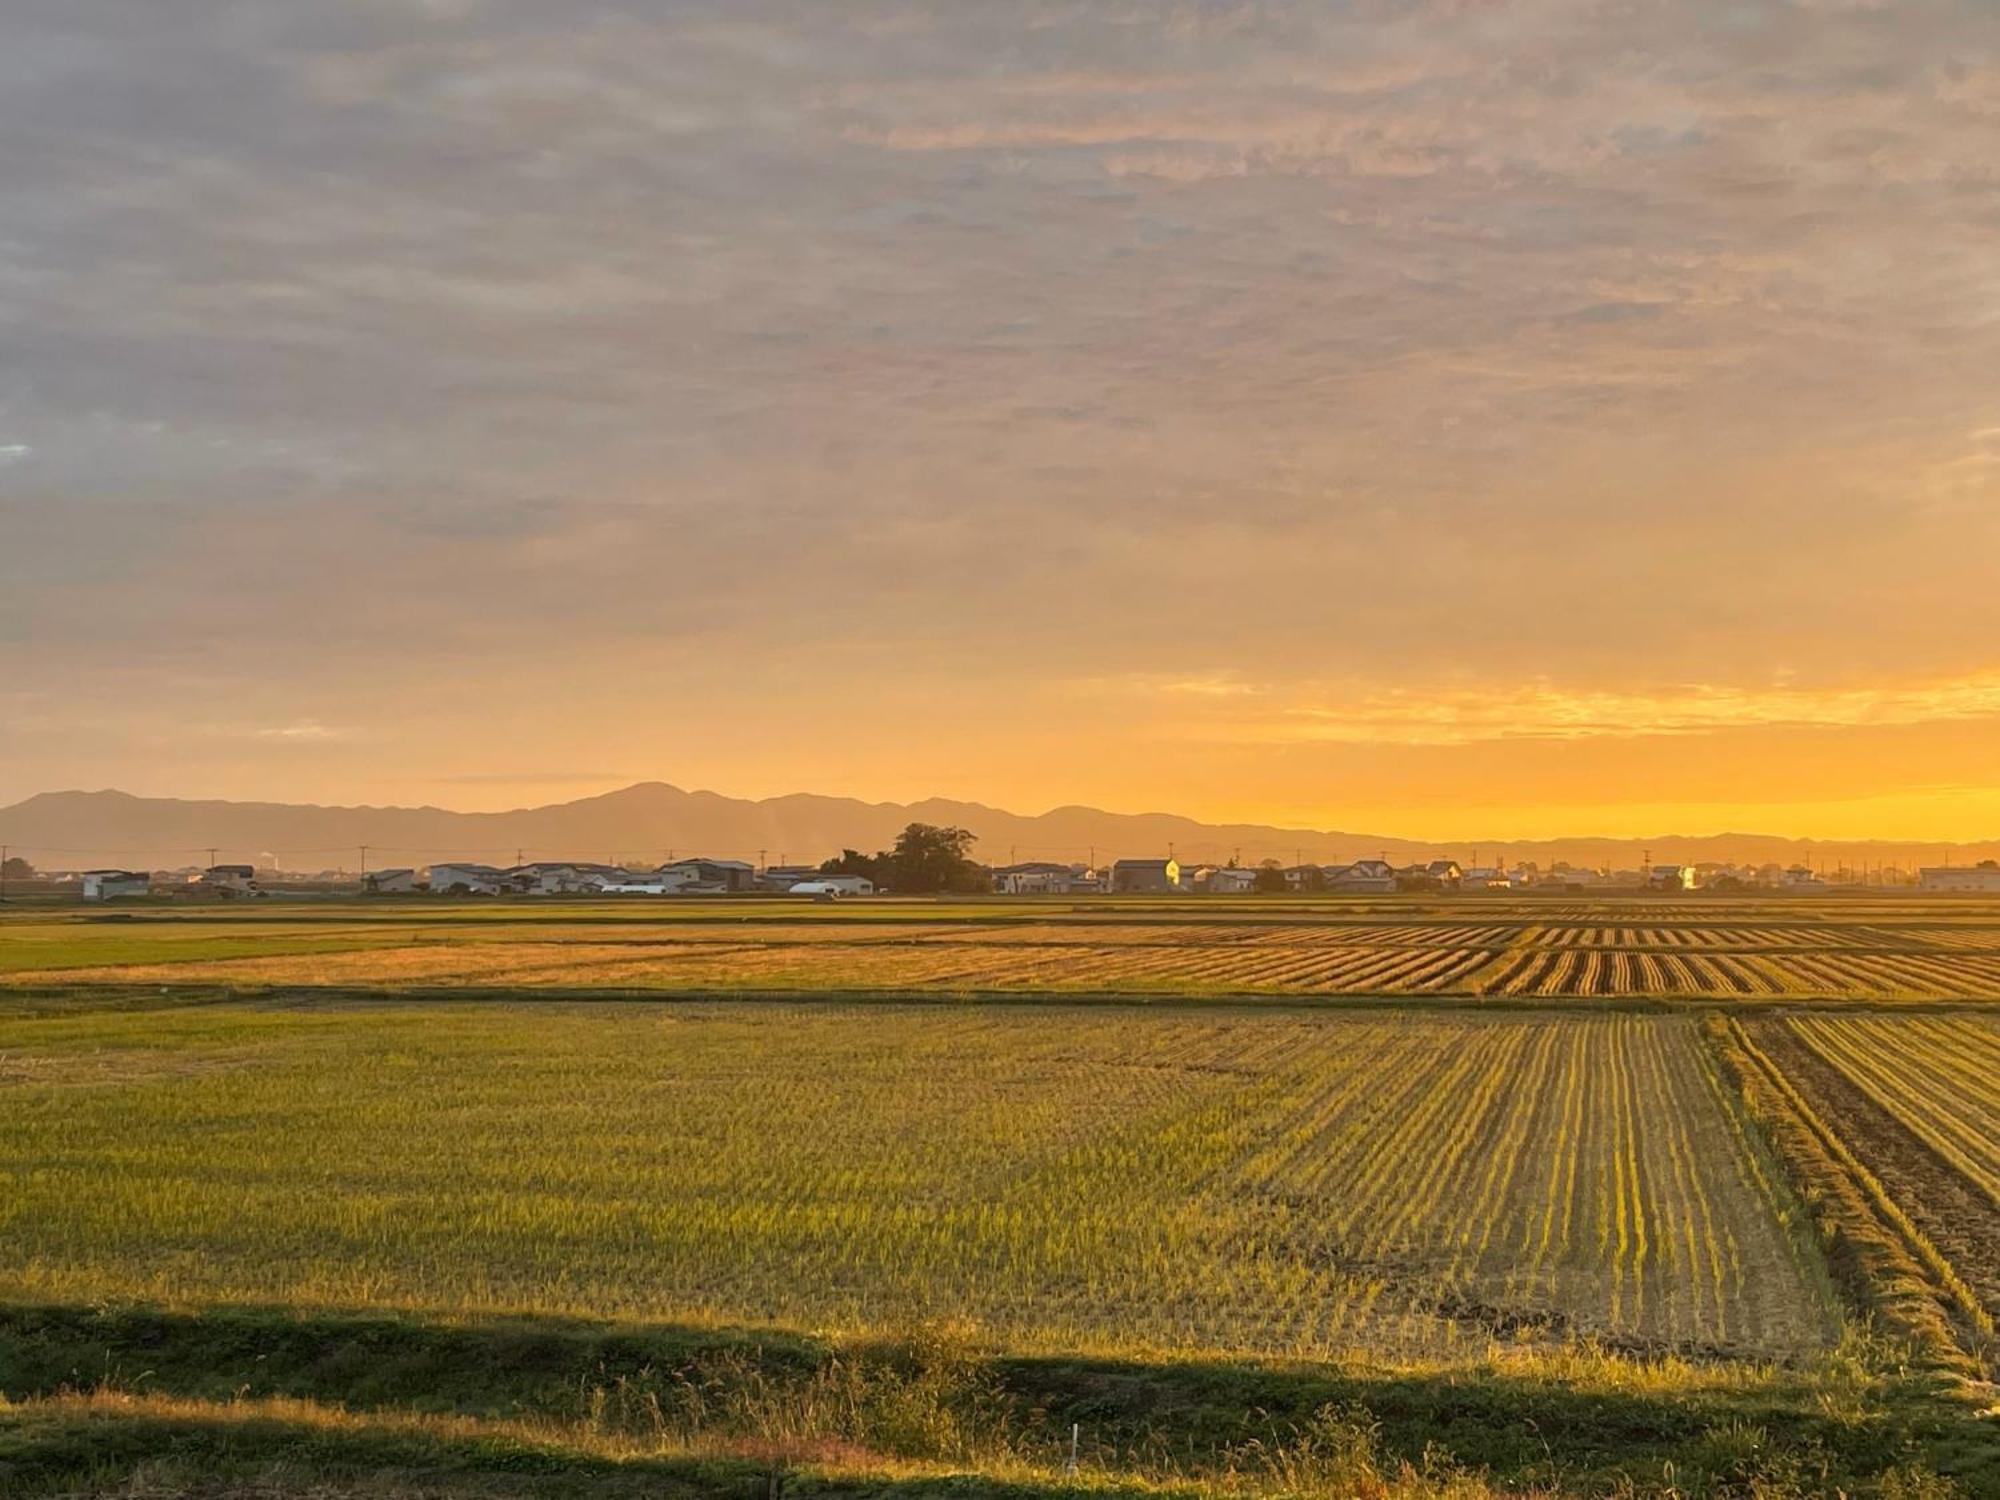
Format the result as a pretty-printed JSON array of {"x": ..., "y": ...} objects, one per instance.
[{"x": 649, "y": 821}]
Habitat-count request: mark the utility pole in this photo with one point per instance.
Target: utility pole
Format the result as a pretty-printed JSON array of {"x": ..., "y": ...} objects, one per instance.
[
  {"x": 211, "y": 857},
  {"x": 3, "y": 871},
  {"x": 364, "y": 861}
]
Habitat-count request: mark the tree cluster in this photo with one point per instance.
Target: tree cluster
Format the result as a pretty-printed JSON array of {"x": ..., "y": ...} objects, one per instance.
[{"x": 926, "y": 860}]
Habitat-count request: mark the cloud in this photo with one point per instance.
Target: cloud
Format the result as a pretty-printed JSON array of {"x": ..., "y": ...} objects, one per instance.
[
  {"x": 304, "y": 732},
  {"x": 1447, "y": 715},
  {"x": 1508, "y": 348}
]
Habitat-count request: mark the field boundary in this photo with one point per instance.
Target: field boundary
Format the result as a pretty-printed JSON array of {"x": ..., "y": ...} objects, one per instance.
[
  {"x": 24, "y": 1001},
  {"x": 1865, "y": 1243}
]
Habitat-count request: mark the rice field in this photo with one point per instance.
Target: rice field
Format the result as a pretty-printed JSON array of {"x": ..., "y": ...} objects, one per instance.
[
  {"x": 1416, "y": 1186},
  {"x": 1722, "y": 951},
  {"x": 1907, "y": 1118}
]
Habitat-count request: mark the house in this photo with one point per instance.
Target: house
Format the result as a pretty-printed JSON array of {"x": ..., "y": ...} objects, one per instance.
[
  {"x": 1146, "y": 876},
  {"x": 1485, "y": 878},
  {"x": 229, "y": 880},
  {"x": 713, "y": 874},
  {"x": 1035, "y": 878},
  {"x": 1982, "y": 878},
  {"x": 1433, "y": 875},
  {"x": 1196, "y": 877},
  {"x": 1670, "y": 878},
  {"x": 548, "y": 877},
  {"x": 468, "y": 880},
  {"x": 1232, "y": 880},
  {"x": 112, "y": 885},
  {"x": 1305, "y": 878},
  {"x": 389, "y": 882},
  {"x": 834, "y": 887},
  {"x": 784, "y": 877},
  {"x": 1375, "y": 875}
]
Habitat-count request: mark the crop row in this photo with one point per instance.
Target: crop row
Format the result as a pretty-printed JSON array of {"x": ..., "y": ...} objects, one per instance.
[{"x": 1277, "y": 1181}]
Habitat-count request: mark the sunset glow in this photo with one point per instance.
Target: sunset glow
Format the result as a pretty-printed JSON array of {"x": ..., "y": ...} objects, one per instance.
[{"x": 1457, "y": 421}]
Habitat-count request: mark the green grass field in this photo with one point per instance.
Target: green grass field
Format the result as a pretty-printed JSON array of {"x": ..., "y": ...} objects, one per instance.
[{"x": 521, "y": 1234}]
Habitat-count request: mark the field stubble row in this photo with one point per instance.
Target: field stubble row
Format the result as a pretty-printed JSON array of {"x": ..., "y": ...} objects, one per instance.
[{"x": 1415, "y": 1187}]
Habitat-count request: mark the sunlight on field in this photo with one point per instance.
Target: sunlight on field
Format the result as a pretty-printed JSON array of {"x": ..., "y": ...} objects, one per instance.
[
  {"x": 1752, "y": 949},
  {"x": 1414, "y": 1186}
]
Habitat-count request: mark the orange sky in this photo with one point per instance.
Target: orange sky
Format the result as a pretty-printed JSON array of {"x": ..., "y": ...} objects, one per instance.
[{"x": 1459, "y": 422}]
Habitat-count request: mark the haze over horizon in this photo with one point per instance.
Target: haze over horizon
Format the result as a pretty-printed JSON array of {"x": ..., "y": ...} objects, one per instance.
[{"x": 1517, "y": 421}]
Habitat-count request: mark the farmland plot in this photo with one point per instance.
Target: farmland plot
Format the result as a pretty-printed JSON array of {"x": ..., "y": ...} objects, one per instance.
[
  {"x": 1201, "y": 948},
  {"x": 1272, "y": 1181},
  {"x": 1919, "y": 1099}
]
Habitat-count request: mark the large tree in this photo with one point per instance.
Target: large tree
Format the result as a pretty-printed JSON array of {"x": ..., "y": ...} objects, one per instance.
[
  {"x": 928, "y": 859},
  {"x": 854, "y": 862}
]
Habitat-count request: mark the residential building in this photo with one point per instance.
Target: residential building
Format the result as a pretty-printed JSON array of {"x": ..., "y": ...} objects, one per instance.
[
  {"x": 549, "y": 877},
  {"x": 1670, "y": 878},
  {"x": 1232, "y": 880},
  {"x": 784, "y": 877},
  {"x": 1374, "y": 875},
  {"x": 1146, "y": 876},
  {"x": 112, "y": 885},
  {"x": 229, "y": 880},
  {"x": 713, "y": 875},
  {"x": 1485, "y": 878},
  {"x": 1035, "y": 878},
  {"x": 389, "y": 882},
  {"x": 468, "y": 880},
  {"x": 1982, "y": 878}
]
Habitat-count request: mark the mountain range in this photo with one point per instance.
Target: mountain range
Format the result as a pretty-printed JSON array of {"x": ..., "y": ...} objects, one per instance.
[{"x": 652, "y": 821}]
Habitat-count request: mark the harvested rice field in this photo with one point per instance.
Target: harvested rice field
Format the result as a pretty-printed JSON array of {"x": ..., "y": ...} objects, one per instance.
[
  {"x": 1305, "y": 1183},
  {"x": 1726, "y": 950}
]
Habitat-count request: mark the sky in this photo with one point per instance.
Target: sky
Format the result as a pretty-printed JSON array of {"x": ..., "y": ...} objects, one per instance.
[{"x": 1443, "y": 418}]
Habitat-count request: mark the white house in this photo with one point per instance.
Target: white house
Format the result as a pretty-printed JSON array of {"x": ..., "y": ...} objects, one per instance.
[
  {"x": 1035, "y": 878},
  {"x": 1485, "y": 878},
  {"x": 1670, "y": 878},
  {"x": 229, "y": 880},
  {"x": 1232, "y": 880},
  {"x": 389, "y": 882},
  {"x": 564, "y": 877},
  {"x": 110, "y": 885},
  {"x": 467, "y": 880},
  {"x": 1982, "y": 878}
]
